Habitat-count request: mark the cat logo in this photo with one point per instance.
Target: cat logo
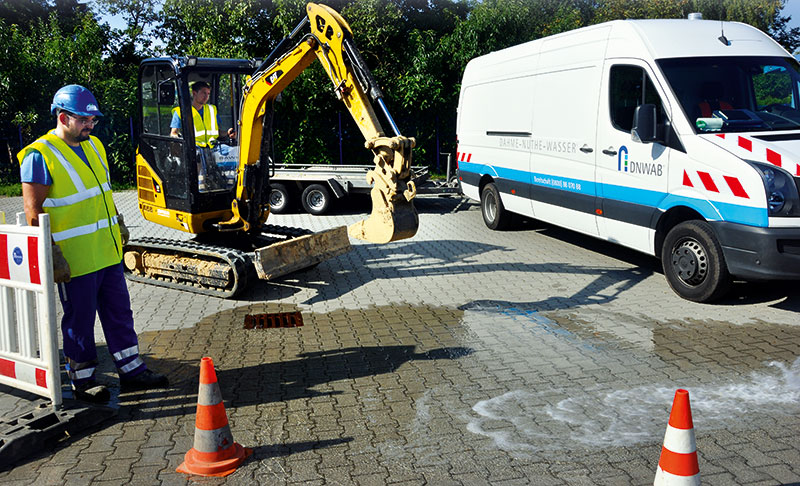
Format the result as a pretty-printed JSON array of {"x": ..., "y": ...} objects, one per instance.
[{"x": 274, "y": 77}]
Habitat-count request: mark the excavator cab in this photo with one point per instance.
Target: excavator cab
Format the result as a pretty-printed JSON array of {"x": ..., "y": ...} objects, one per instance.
[{"x": 193, "y": 181}]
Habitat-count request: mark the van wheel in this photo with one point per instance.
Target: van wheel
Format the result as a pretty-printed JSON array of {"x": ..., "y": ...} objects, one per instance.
[
  {"x": 278, "y": 198},
  {"x": 316, "y": 199},
  {"x": 494, "y": 214},
  {"x": 693, "y": 262}
]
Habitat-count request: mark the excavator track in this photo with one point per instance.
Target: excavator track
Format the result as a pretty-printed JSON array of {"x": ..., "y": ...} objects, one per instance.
[
  {"x": 210, "y": 268},
  {"x": 187, "y": 265}
]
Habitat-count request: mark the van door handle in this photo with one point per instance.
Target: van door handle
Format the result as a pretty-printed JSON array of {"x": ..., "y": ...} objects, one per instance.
[
  {"x": 610, "y": 151},
  {"x": 586, "y": 149}
]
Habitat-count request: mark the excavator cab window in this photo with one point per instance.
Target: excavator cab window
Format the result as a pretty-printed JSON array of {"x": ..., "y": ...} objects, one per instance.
[
  {"x": 163, "y": 153},
  {"x": 216, "y": 153}
]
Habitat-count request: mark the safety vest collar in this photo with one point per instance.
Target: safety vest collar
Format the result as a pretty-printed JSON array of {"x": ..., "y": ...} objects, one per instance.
[{"x": 58, "y": 148}]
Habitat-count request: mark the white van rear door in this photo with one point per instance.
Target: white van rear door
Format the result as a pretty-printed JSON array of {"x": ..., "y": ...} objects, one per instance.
[{"x": 632, "y": 176}]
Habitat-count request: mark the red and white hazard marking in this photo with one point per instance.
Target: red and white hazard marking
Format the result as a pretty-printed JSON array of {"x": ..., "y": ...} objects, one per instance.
[
  {"x": 758, "y": 149},
  {"x": 720, "y": 184},
  {"x": 32, "y": 375},
  {"x": 19, "y": 258},
  {"x": 463, "y": 157}
]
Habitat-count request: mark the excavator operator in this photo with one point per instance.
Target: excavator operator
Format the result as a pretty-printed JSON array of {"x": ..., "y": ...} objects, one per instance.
[{"x": 206, "y": 132}]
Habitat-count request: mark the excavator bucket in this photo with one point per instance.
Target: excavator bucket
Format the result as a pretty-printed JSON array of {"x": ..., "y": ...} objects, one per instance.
[
  {"x": 393, "y": 215},
  {"x": 289, "y": 256}
]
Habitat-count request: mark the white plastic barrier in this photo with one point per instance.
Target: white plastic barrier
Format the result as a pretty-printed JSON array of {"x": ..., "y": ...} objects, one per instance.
[{"x": 28, "y": 339}]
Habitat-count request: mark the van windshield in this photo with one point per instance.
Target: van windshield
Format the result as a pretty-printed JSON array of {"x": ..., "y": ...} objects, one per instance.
[{"x": 737, "y": 94}]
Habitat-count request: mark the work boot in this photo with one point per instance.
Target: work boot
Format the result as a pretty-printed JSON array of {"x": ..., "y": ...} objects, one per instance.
[
  {"x": 145, "y": 380},
  {"x": 92, "y": 392}
]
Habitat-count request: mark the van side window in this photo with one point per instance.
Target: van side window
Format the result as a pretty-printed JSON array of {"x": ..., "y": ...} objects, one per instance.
[{"x": 630, "y": 87}]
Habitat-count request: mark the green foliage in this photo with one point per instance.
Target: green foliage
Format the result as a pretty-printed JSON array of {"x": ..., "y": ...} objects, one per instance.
[{"x": 417, "y": 50}]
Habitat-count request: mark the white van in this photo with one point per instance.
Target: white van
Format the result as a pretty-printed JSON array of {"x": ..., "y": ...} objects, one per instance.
[{"x": 677, "y": 138}]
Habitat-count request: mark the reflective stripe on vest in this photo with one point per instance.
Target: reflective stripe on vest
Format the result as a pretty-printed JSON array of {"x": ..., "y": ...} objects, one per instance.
[{"x": 86, "y": 229}]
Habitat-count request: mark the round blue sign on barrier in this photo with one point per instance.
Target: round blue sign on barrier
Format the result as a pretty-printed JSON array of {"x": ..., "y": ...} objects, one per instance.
[{"x": 17, "y": 255}]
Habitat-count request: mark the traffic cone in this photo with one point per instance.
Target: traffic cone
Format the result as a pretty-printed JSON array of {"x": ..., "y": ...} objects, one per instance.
[
  {"x": 214, "y": 452},
  {"x": 678, "y": 462}
]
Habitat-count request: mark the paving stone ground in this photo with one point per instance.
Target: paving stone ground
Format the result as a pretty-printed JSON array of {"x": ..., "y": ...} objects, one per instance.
[{"x": 461, "y": 356}]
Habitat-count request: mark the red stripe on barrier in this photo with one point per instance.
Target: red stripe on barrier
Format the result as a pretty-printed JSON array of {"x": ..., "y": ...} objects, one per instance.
[
  {"x": 41, "y": 378},
  {"x": 736, "y": 187},
  {"x": 708, "y": 182},
  {"x": 33, "y": 259},
  {"x": 4, "y": 256},
  {"x": 746, "y": 144},
  {"x": 721, "y": 135},
  {"x": 8, "y": 368},
  {"x": 686, "y": 180},
  {"x": 679, "y": 464},
  {"x": 211, "y": 417},
  {"x": 773, "y": 157}
]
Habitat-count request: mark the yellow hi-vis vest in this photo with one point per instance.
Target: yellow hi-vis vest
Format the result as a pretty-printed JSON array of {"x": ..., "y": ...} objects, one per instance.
[
  {"x": 205, "y": 127},
  {"x": 83, "y": 217}
]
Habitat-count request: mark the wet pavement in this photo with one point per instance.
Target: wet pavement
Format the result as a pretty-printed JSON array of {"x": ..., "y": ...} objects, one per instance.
[{"x": 462, "y": 356}]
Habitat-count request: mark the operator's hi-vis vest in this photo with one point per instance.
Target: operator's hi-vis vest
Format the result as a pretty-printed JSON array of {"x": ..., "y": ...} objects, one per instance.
[
  {"x": 205, "y": 127},
  {"x": 83, "y": 217}
]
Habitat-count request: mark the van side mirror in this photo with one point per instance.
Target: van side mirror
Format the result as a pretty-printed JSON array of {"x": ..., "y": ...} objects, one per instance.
[
  {"x": 166, "y": 93},
  {"x": 644, "y": 124}
]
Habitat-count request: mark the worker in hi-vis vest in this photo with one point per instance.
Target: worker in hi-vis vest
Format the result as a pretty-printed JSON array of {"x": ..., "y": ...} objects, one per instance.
[
  {"x": 206, "y": 127},
  {"x": 65, "y": 174}
]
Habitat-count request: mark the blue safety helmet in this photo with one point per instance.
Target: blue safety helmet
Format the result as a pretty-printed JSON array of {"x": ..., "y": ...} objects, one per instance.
[{"x": 75, "y": 99}]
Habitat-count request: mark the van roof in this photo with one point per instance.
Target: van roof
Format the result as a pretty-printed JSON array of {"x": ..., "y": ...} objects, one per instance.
[
  {"x": 655, "y": 39},
  {"x": 699, "y": 38}
]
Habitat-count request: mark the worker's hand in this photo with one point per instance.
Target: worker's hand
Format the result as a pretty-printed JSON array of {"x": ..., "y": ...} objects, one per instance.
[
  {"x": 123, "y": 230},
  {"x": 231, "y": 133},
  {"x": 61, "y": 272}
]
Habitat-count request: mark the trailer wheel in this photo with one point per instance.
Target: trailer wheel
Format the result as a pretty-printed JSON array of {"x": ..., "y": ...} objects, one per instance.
[
  {"x": 693, "y": 262},
  {"x": 278, "y": 198},
  {"x": 316, "y": 199},
  {"x": 494, "y": 213}
]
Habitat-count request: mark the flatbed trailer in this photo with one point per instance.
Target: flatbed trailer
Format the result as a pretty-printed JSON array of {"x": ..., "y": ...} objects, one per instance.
[{"x": 316, "y": 185}]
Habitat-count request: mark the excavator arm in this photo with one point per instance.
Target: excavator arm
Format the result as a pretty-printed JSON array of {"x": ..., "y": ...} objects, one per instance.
[{"x": 330, "y": 41}]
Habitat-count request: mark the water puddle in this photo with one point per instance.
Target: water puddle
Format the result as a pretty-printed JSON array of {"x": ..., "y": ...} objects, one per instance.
[{"x": 525, "y": 421}]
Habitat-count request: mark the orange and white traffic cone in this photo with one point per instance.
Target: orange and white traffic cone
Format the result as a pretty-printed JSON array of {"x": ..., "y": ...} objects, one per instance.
[
  {"x": 678, "y": 463},
  {"x": 214, "y": 452}
]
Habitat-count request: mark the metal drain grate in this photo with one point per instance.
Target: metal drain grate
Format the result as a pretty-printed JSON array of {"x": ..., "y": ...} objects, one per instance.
[{"x": 275, "y": 320}]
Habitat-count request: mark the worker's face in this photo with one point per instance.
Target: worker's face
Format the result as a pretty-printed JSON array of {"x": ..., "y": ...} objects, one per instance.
[
  {"x": 201, "y": 96},
  {"x": 76, "y": 127}
]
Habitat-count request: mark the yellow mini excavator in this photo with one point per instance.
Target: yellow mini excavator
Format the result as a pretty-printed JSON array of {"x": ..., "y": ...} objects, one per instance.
[{"x": 210, "y": 177}]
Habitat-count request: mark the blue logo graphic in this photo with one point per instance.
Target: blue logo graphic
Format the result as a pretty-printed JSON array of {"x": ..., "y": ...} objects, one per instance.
[
  {"x": 622, "y": 163},
  {"x": 17, "y": 255}
]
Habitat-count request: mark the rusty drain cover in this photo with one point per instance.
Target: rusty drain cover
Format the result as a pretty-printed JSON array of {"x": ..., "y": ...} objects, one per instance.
[{"x": 274, "y": 320}]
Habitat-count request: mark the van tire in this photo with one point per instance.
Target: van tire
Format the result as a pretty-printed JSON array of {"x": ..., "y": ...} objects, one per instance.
[
  {"x": 494, "y": 213},
  {"x": 278, "y": 198},
  {"x": 693, "y": 262},
  {"x": 316, "y": 199}
]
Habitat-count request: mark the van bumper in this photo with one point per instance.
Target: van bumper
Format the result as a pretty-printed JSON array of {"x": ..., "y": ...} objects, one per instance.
[{"x": 754, "y": 253}]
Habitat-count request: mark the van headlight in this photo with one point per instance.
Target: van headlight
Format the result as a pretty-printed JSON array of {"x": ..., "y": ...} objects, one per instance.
[{"x": 782, "y": 195}]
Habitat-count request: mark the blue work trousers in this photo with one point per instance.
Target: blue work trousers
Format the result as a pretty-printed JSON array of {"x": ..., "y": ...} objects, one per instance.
[{"x": 103, "y": 293}]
